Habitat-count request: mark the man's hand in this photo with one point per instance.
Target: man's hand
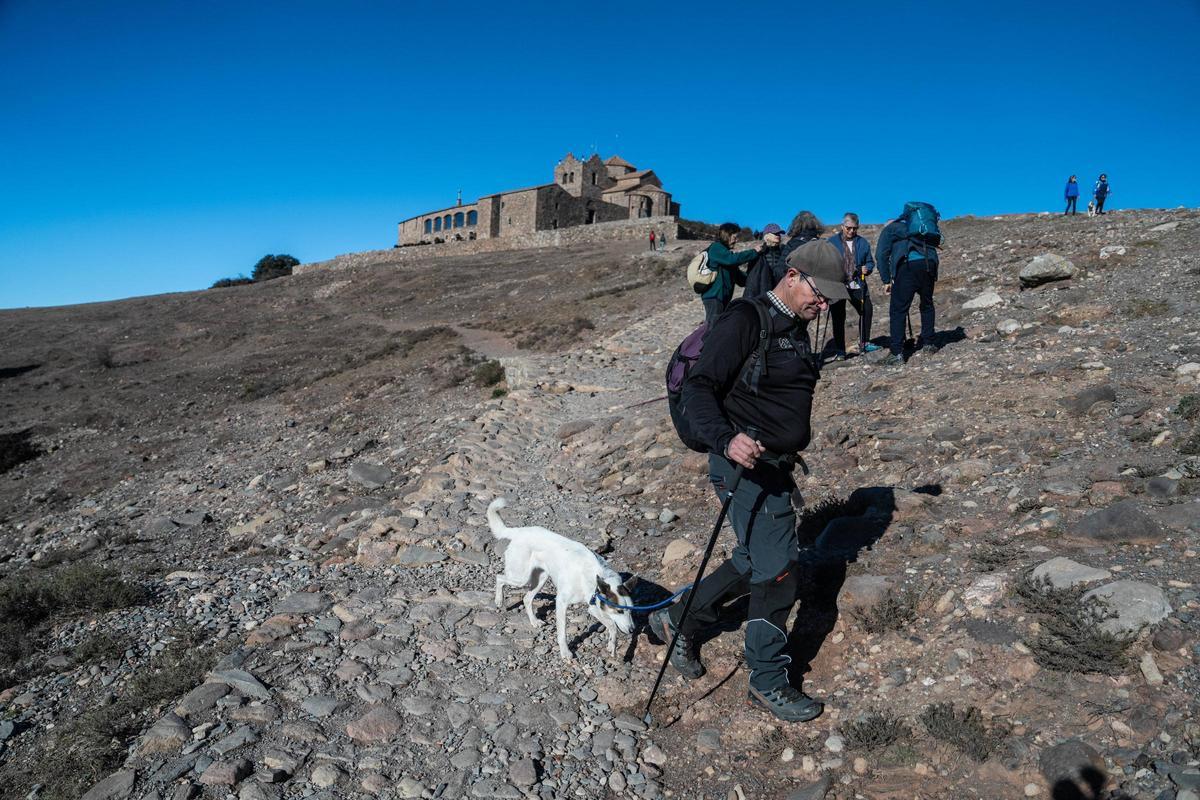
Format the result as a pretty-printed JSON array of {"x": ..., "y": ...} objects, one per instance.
[
  {"x": 744, "y": 450},
  {"x": 887, "y": 288}
]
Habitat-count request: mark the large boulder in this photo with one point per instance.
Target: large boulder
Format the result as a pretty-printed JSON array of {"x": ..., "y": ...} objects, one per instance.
[
  {"x": 1133, "y": 604},
  {"x": 1082, "y": 402},
  {"x": 1046, "y": 268},
  {"x": 1122, "y": 522},
  {"x": 1064, "y": 573}
]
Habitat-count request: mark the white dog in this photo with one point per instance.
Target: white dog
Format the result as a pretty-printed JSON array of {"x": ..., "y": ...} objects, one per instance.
[
  {"x": 1091, "y": 208},
  {"x": 580, "y": 576}
]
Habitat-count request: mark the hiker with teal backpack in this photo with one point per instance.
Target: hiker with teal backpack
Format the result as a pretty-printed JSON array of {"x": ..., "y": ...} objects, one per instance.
[
  {"x": 907, "y": 257},
  {"x": 724, "y": 266}
]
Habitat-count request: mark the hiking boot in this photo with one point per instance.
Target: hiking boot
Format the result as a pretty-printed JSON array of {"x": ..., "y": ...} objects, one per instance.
[
  {"x": 788, "y": 703},
  {"x": 836, "y": 355},
  {"x": 868, "y": 347},
  {"x": 930, "y": 349},
  {"x": 683, "y": 658},
  {"x": 894, "y": 360}
]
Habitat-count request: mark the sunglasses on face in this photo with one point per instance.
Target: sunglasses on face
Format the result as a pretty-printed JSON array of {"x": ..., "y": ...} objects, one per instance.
[{"x": 850, "y": 227}]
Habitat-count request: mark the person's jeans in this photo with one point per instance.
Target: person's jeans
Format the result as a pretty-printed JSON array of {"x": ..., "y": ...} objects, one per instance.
[
  {"x": 713, "y": 308},
  {"x": 1100, "y": 203},
  {"x": 861, "y": 300},
  {"x": 913, "y": 277},
  {"x": 1070, "y": 205}
]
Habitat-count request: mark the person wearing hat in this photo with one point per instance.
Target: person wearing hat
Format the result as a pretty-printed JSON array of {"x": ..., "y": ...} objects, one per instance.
[
  {"x": 768, "y": 267},
  {"x": 724, "y": 400}
]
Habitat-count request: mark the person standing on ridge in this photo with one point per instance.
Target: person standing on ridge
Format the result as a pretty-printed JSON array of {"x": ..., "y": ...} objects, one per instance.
[
  {"x": 908, "y": 266},
  {"x": 774, "y": 404},
  {"x": 1101, "y": 192},
  {"x": 652, "y": 247},
  {"x": 1072, "y": 195},
  {"x": 768, "y": 268},
  {"x": 727, "y": 264},
  {"x": 857, "y": 264}
]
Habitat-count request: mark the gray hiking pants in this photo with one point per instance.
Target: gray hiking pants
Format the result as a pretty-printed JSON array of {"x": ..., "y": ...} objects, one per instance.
[{"x": 762, "y": 565}]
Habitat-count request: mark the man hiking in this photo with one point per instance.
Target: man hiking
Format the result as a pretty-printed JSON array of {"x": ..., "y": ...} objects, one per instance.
[
  {"x": 724, "y": 398},
  {"x": 857, "y": 264},
  {"x": 908, "y": 267}
]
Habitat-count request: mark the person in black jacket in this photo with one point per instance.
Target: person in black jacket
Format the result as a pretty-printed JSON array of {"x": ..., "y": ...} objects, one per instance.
[
  {"x": 727, "y": 401},
  {"x": 768, "y": 268}
]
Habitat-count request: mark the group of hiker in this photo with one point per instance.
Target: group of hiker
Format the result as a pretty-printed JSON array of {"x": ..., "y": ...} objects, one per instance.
[
  {"x": 1100, "y": 193},
  {"x": 740, "y": 389},
  {"x": 907, "y": 263}
]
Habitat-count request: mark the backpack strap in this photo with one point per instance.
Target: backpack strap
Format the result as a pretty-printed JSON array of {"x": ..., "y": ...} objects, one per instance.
[{"x": 755, "y": 366}]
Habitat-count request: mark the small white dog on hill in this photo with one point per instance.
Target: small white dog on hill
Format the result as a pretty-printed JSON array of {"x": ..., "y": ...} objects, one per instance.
[{"x": 580, "y": 576}]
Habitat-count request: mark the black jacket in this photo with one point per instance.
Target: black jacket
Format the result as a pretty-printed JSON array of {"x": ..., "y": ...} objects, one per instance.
[
  {"x": 765, "y": 272},
  {"x": 719, "y": 405}
]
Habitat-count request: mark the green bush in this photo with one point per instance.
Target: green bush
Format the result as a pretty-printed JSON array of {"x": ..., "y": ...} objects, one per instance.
[
  {"x": 489, "y": 373},
  {"x": 223, "y": 283},
  {"x": 270, "y": 267},
  {"x": 29, "y": 602},
  {"x": 1188, "y": 406}
]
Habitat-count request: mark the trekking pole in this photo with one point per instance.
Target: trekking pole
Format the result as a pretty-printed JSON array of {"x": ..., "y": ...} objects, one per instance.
[{"x": 687, "y": 604}]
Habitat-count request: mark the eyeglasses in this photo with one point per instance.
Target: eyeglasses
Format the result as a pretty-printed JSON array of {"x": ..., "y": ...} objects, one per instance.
[
  {"x": 820, "y": 297},
  {"x": 849, "y": 227}
]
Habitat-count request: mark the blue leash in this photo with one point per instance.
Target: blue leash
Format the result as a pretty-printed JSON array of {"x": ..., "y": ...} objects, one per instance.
[{"x": 653, "y": 607}]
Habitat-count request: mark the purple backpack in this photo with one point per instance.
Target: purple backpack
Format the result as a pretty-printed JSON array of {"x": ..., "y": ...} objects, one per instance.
[{"x": 686, "y": 356}]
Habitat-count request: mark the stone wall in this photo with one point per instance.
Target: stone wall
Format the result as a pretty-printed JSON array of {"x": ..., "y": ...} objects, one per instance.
[{"x": 624, "y": 229}]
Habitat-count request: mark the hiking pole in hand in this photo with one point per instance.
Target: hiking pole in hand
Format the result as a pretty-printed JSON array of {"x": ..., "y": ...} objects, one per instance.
[{"x": 687, "y": 604}]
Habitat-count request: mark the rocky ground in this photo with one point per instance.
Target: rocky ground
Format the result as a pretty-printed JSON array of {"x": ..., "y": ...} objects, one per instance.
[{"x": 1001, "y": 538}]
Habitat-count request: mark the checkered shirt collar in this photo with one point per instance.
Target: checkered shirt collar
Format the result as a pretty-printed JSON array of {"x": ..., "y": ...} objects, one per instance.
[{"x": 780, "y": 306}]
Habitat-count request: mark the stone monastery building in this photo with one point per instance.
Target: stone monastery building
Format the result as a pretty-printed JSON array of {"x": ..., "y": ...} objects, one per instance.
[{"x": 583, "y": 193}]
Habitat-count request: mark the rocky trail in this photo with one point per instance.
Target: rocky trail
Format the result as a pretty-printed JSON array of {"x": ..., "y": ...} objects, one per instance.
[{"x": 1002, "y": 571}]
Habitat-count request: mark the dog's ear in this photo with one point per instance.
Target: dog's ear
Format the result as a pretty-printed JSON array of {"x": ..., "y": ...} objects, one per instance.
[
  {"x": 605, "y": 588},
  {"x": 629, "y": 585}
]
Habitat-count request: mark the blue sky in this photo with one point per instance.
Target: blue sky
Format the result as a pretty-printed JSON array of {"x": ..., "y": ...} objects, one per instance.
[{"x": 156, "y": 146}]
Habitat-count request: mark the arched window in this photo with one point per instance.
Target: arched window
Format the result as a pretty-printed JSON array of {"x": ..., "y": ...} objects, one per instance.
[
  {"x": 472, "y": 218},
  {"x": 428, "y": 226},
  {"x": 446, "y": 222},
  {"x": 437, "y": 224},
  {"x": 458, "y": 219}
]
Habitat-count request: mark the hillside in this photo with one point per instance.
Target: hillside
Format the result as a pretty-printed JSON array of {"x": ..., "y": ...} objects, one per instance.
[{"x": 250, "y": 559}]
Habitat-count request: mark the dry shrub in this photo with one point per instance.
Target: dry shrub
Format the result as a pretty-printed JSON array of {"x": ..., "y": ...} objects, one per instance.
[
  {"x": 875, "y": 731},
  {"x": 964, "y": 730},
  {"x": 896, "y": 611},
  {"x": 95, "y": 743},
  {"x": 1071, "y": 639}
]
